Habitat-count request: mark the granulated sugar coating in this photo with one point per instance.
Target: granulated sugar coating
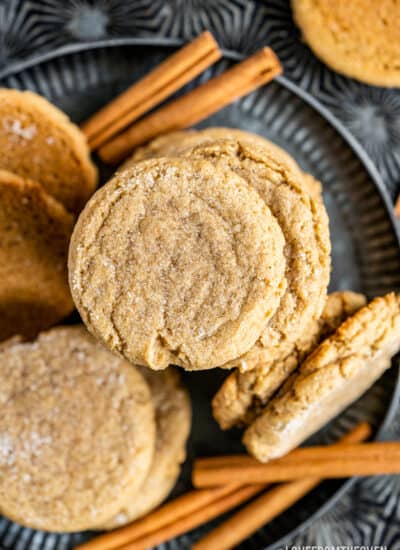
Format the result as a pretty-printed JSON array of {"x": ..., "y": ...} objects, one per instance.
[
  {"x": 38, "y": 141},
  {"x": 177, "y": 261},
  {"x": 77, "y": 431}
]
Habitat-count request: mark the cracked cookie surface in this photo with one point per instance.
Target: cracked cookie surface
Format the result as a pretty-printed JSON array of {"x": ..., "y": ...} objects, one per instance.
[
  {"x": 38, "y": 141},
  {"x": 173, "y": 419},
  {"x": 177, "y": 261},
  {"x": 359, "y": 38},
  {"x": 35, "y": 230},
  {"x": 77, "y": 431},
  {"x": 244, "y": 395},
  {"x": 337, "y": 373}
]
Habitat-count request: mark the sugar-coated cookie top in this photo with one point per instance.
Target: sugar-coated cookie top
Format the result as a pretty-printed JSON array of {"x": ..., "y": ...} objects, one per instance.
[
  {"x": 77, "y": 431},
  {"x": 177, "y": 261}
]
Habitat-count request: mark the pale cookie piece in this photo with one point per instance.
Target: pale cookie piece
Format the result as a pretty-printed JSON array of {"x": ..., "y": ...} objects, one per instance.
[
  {"x": 177, "y": 262},
  {"x": 175, "y": 143},
  {"x": 337, "y": 373},
  {"x": 244, "y": 396},
  {"x": 173, "y": 420},
  {"x": 360, "y": 39},
  {"x": 77, "y": 431},
  {"x": 34, "y": 234},
  {"x": 305, "y": 227},
  {"x": 38, "y": 141}
]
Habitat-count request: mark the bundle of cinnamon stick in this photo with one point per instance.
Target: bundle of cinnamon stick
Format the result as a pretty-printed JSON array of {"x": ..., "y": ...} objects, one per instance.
[{"x": 114, "y": 132}]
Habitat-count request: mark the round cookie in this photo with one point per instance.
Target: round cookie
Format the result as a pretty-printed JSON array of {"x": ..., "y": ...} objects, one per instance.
[
  {"x": 177, "y": 261},
  {"x": 77, "y": 431},
  {"x": 305, "y": 227},
  {"x": 337, "y": 373},
  {"x": 175, "y": 143},
  {"x": 360, "y": 38},
  {"x": 35, "y": 231},
  {"x": 38, "y": 141},
  {"x": 173, "y": 419}
]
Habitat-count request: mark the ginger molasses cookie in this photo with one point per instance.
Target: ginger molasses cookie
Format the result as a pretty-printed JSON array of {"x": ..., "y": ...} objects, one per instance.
[
  {"x": 38, "y": 141},
  {"x": 173, "y": 419},
  {"x": 243, "y": 396},
  {"x": 77, "y": 431},
  {"x": 34, "y": 234},
  {"x": 339, "y": 371},
  {"x": 177, "y": 261},
  {"x": 304, "y": 225},
  {"x": 360, "y": 38}
]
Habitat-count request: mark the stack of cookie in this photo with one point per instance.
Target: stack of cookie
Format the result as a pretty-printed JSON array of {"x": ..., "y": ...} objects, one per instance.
[
  {"x": 213, "y": 256},
  {"x": 87, "y": 441},
  {"x": 46, "y": 176},
  {"x": 211, "y": 249},
  {"x": 207, "y": 249}
]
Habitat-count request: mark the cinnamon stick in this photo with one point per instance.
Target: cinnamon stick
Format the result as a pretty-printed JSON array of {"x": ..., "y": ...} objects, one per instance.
[
  {"x": 324, "y": 462},
  {"x": 196, "y": 105},
  {"x": 166, "y": 514},
  {"x": 176, "y": 71},
  {"x": 269, "y": 505},
  {"x": 191, "y": 521}
]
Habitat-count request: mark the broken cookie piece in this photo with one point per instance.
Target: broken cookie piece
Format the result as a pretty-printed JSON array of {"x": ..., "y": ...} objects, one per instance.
[
  {"x": 242, "y": 396},
  {"x": 337, "y": 373}
]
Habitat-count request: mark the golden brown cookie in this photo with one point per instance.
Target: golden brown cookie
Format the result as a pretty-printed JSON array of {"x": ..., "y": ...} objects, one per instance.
[
  {"x": 173, "y": 420},
  {"x": 38, "y": 141},
  {"x": 278, "y": 180},
  {"x": 244, "y": 396},
  {"x": 34, "y": 234},
  {"x": 337, "y": 373},
  {"x": 177, "y": 261},
  {"x": 77, "y": 431},
  {"x": 304, "y": 224},
  {"x": 175, "y": 143},
  {"x": 360, "y": 38}
]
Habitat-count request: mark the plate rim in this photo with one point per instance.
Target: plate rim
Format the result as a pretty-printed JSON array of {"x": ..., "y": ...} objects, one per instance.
[{"x": 324, "y": 112}]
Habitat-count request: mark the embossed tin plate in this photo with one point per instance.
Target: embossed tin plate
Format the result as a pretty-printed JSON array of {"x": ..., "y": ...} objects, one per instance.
[{"x": 365, "y": 242}]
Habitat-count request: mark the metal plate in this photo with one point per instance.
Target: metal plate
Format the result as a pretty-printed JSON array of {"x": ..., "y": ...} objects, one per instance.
[{"x": 366, "y": 255}]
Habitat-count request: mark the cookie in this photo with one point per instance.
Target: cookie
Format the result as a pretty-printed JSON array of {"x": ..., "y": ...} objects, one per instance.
[
  {"x": 359, "y": 39},
  {"x": 177, "y": 261},
  {"x": 337, "y": 373},
  {"x": 174, "y": 143},
  {"x": 39, "y": 142},
  {"x": 305, "y": 228},
  {"x": 264, "y": 168},
  {"x": 244, "y": 396},
  {"x": 34, "y": 234},
  {"x": 173, "y": 419},
  {"x": 77, "y": 431}
]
